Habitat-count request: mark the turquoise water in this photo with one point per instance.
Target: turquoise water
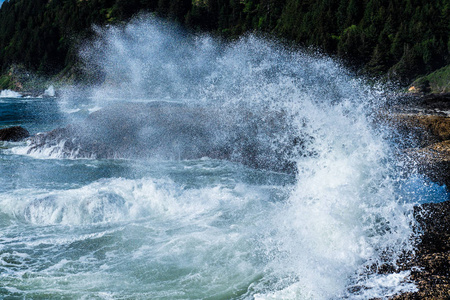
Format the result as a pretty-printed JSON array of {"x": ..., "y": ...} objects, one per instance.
[
  {"x": 74, "y": 229},
  {"x": 189, "y": 229},
  {"x": 127, "y": 228}
]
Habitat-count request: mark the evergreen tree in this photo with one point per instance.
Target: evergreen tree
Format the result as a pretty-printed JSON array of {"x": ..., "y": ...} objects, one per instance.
[{"x": 403, "y": 38}]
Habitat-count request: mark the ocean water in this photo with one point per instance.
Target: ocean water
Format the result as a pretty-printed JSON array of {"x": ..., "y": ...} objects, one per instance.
[{"x": 203, "y": 228}]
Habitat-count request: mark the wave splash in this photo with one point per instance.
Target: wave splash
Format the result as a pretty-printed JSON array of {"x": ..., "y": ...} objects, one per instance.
[
  {"x": 115, "y": 200},
  {"x": 346, "y": 215},
  {"x": 9, "y": 94}
]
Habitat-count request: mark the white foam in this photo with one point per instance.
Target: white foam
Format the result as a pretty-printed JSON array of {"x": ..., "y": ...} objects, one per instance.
[
  {"x": 50, "y": 91},
  {"x": 344, "y": 211},
  {"x": 54, "y": 150},
  {"x": 348, "y": 206},
  {"x": 114, "y": 200},
  {"x": 10, "y": 94},
  {"x": 386, "y": 285}
]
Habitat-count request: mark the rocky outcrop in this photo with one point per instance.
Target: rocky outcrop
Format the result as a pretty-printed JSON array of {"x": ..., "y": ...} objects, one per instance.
[
  {"x": 425, "y": 129},
  {"x": 430, "y": 265},
  {"x": 174, "y": 131},
  {"x": 181, "y": 132},
  {"x": 422, "y": 131},
  {"x": 13, "y": 134}
]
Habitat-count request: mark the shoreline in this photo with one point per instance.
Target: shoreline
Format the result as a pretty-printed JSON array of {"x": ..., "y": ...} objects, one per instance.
[
  {"x": 426, "y": 120},
  {"x": 430, "y": 264}
]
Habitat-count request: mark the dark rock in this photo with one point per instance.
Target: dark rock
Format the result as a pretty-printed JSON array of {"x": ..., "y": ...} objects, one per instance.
[
  {"x": 430, "y": 264},
  {"x": 441, "y": 101},
  {"x": 425, "y": 139},
  {"x": 433, "y": 161},
  {"x": 175, "y": 131},
  {"x": 13, "y": 134},
  {"x": 423, "y": 129},
  {"x": 417, "y": 129}
]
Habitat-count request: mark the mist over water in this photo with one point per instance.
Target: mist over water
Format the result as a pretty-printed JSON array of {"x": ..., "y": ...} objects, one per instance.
[
  {"x": 167, "y": 227},
  {"x": 149, "y": 59}
]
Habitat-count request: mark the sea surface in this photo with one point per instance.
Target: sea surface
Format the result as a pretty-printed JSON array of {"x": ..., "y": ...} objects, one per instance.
[{"x": 205, "y": 228}]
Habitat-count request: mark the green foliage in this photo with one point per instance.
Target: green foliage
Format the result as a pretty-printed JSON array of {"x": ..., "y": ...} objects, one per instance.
[
  {"x": 6, "y": 82},
  {"x": 401, "y": 38},
  {"x": 437, "y": 82}
]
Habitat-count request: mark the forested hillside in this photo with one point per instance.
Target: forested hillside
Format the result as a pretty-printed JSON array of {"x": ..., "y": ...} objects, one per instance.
[{"x": 400, "y": 39}]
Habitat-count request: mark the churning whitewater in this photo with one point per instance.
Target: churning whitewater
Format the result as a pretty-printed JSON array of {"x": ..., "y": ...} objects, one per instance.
[{"x": 204, "y": 170}]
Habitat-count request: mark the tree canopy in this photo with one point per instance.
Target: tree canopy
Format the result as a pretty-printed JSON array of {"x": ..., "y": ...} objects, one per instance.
[{"x": 398, "y": 38}]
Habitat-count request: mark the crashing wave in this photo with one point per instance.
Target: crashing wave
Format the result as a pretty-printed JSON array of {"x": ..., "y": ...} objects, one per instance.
[
  {"x": 173, "y": 131},
  {"x": 10, "y": 94}
]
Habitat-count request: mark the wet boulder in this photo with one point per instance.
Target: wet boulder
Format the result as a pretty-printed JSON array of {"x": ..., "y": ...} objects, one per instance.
[
  {"x": 172, "y": 131},
  {"x": 13, "y": 134}
]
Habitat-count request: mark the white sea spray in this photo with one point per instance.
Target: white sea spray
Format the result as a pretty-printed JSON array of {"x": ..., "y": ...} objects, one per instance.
[{"x": 206, "y": 228}]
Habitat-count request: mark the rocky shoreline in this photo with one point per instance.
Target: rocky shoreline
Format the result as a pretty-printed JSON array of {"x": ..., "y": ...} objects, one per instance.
[
  {"x": 430, "y": 264},
  {"x": 425, "y": 122},
  {"x": 423, "y": 127}
]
